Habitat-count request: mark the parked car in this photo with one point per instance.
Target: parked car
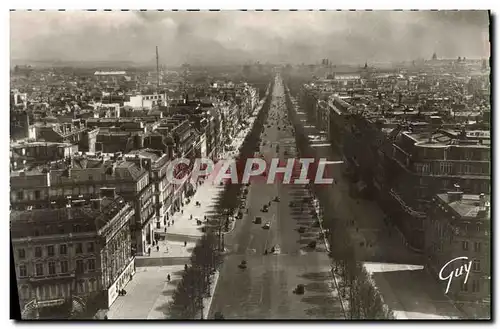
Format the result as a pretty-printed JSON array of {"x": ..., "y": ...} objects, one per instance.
[
  {"x": 267, "y": 226},
  {"x": 243, "y": 264}
]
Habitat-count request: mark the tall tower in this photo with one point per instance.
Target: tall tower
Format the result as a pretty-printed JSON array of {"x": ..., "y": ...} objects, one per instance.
[{"x": 157, "y": 71}]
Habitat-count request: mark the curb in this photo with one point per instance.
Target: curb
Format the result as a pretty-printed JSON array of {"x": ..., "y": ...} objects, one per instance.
[{"x": 212, "y": 292}]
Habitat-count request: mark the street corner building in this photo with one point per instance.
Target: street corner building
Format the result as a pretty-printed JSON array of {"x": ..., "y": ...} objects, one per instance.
[{"x": 72, "y": 259}]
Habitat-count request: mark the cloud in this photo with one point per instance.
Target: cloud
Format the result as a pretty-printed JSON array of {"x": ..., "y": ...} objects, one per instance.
[{"x": 235, "y": 37}]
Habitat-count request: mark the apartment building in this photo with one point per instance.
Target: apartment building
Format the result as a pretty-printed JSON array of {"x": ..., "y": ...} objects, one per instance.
[
  {"x": 459, "y": 225},
  {"x": 149, "y": 101},
  {"x": 83, "y": 177},
  {"x": 73, "y": 258}
]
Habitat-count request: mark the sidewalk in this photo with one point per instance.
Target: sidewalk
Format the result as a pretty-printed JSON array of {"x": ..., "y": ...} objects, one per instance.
[
  {"x": 148, "y": 294},
  {"x": 170, "y": 249},
  {"x": 186, "y": 229}
]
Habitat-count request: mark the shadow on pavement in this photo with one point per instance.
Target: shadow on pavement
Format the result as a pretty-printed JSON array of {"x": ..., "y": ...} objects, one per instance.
[
  {"x": 329, "y": 311},
  {"x": 321, "y": 300},
  {"x": 317, "y": 287},
  {"x": 316, "y": 276}
]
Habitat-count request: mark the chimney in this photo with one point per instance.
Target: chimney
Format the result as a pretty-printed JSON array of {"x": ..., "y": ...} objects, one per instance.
[
  {"x": 107, "y": 192},
  {"x": 455, "y": 195}
]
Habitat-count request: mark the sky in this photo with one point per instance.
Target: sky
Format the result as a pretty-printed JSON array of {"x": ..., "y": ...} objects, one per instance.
[{"x": 242, "y": 37}]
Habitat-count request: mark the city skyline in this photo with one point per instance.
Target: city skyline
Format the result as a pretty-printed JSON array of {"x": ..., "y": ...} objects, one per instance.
[{"x": 236, "y": 37}]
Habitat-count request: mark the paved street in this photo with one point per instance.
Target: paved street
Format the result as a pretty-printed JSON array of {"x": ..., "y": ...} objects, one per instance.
[
  {"x": 264, "y": 290},
  {"x": 397, "y": 270}
]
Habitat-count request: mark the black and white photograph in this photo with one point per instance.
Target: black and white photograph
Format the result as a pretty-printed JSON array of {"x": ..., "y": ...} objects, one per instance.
[{"x": 250, "y": 164}]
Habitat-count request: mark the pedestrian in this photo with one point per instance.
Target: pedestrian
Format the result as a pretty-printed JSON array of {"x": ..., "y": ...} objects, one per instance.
[
  {"x": 168, "y": 277},
  {"x": 166, "y": 228},
  {"x": 185, "y": 243},
  {"x": 182, "y": 211},
  {"x": 149, "y": 250},
  {"x": 191, "y": 216},
  {"x": 185, "y": 267},
  {"x": 157, "y": 248},
  {"x": 173, "y": 222}
]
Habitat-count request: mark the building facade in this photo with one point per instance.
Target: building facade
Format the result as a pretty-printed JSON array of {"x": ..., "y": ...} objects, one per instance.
[
  {"x": 70, "y": 255},
  {"x": 459, "y": 225}
]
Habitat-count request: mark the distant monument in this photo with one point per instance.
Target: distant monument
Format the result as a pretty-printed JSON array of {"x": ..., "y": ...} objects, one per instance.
[{"x": 434, "y": 57}]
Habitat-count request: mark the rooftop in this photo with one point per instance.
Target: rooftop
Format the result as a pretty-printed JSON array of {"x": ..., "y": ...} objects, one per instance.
[
  {"x": 101, "y": 211},
  {"x": 469, "y": 206}
]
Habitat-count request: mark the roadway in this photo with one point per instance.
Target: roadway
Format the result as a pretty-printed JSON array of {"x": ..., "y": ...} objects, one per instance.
[{"x": 264, "y": 290}]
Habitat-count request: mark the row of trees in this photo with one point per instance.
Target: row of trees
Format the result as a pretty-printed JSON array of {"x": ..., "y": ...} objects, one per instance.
[
  {"x": 359, "y": 297},
  {"x": 187, "y": 300}
]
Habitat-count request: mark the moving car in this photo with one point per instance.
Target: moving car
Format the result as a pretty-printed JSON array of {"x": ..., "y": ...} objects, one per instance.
[
  {"x": 267, "y": 226},
  {"x": 299, "y": 290},
  {"x": 243, "y": 264},
  {"x": 265, "y": 208}
]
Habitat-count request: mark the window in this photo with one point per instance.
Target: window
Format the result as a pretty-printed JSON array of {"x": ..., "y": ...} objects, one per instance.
[
  {"x": 39, "y": 269},
  {"x": 79, "y": 266},
  {"x": 79, "y": 248},
  {"x": 52, "y": 268},
  {"x": 91, "y": 265},
  {"x": 64, "y": 266},
  {"x": 50, "y": 251},
  {"x": 76, "y": 229},
  {"x": 63, "y": 249},
  {"x": 21, "y": 253},
  {"x": 477, "y": 246},
  {"x": 475, "y": 286},
  {"x": 38, "y": 251},
  {"x": 465, "y": 245},
  {"x": 464, "y": 287},
  {"x": 20, "y": 195},
  {"x": 37, "y": 195},
  {"x": 23, "y": 272},
  {"x": 90, "y": 247},
  {"x": 476, "y": 265}
]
